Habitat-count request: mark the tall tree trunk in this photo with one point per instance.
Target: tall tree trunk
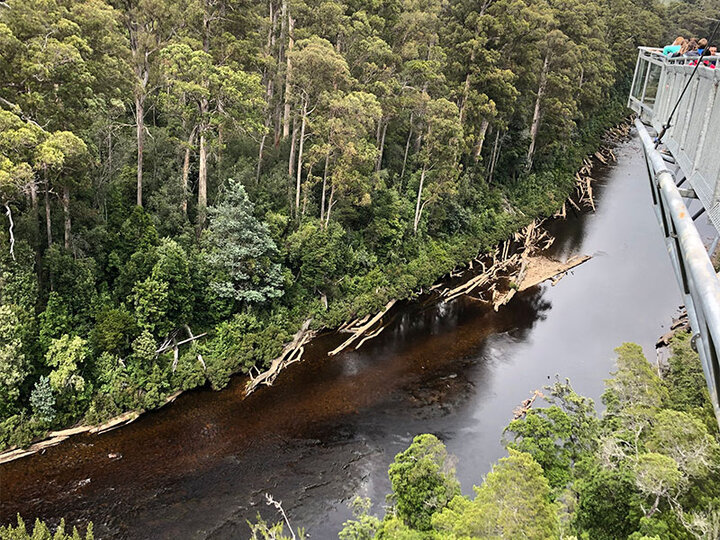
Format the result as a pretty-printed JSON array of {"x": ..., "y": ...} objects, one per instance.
[
  {"x": 260, "y": 153},
  {"x": 300, "y": 156},
  {"x": 481, "y": 137},
  {"x": 33, "y": 201},
  {"x": 288, "y": 78},
  {"x": 495, "y": 155},
  {"x": 66, "y": 214},
  {"x": 293, "y": 144},
  {"x": 378, "y": 165},
  {"x": 48, "y": 222},
  {"x": 331, "y": 201},
  {"x": 279, "y": 72},
  {"x": 407, "y": 146},
  {"x": 466, "y": 88},
  {"x": 419, "y": 200},
  {"x": 283, "y": 32},
  {"x": 186, "y": 173},
  {"x": 140, "y": 134},
  {"x": 206, "y": 25},
  {"x": 291, "y": 166},
  {"x": 536, "y": 114},
  {"x": 35, "y": 215},
  {"x": 322, "y": 200},
  {"x": 34, "y": 225},
  {"x": 11, "y": 227},
  {"x": 202, "y": 181},
  {"x": 305, "y": 191},
  {"x": 268, "y": 79},
  {"x": 35, "y": 228}
]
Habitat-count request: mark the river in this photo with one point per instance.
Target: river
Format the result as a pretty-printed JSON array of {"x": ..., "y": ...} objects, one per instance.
[{"x": 330, "y": 427}]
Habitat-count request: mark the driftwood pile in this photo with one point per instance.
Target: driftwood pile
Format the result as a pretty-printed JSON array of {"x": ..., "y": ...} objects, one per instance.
[
  {"x": 517, "y": 264},
  {"x": 508, "y": 259},
  {"x": 681, "y": 324},
  {"x": 583, "y": 180}
]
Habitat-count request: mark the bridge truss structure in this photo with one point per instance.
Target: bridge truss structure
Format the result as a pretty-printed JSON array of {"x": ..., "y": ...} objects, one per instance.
[{"x": 685, "y": 165}]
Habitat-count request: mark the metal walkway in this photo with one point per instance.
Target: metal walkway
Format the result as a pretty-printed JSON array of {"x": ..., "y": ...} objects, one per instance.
[{"x": 690, "y": 151}]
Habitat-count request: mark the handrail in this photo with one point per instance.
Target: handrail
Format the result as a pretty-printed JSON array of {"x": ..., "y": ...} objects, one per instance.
[
  {"x": 698, "y": 281},
  {"x": 678, "y": 60}
]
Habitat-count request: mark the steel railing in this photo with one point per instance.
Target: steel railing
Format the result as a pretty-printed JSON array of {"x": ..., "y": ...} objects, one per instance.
[
  {"x": 698, "y": 281},
  {"x": 693, "y": 137}
]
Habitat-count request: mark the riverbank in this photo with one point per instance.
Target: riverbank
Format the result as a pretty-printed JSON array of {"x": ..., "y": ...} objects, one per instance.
[{"x": 498, "y": 270}]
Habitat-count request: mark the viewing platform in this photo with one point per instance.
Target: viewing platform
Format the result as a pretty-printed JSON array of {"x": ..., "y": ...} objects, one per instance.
[
  {"x": 693, "y": 137},
  {"x": 678, "y": 100}
]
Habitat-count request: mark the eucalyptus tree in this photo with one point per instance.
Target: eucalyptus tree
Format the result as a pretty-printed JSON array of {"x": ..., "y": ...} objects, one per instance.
[
  {"x": 416, "y": 39},
  {"x": 317, "y": 70},
  {"x": 61, "y": 61},
  {"x": 574, "y": 64},
  {"x": 482, "y": 83},
  {"x": 62, "y": 156},
  {"x": 442, "y": 138},
  {"x": 63, "y": 65},
  {"x": 18, "y": 140},
  {"x": 150, "y": 25},
  {"x": 350, "y": 149},
  {"x": 375, "y": 67},
  {"x": 208, "y": 96}
]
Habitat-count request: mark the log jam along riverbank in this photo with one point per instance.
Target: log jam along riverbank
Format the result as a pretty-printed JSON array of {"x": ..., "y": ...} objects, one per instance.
[{"x": 516, "y": 264}]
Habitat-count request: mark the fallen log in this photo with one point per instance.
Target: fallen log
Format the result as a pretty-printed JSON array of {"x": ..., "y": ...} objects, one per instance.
[
  {"x": 372, "y": 335},
  {"x": 481, "y": 279},
  {"x": 360, "y": 331},
  {"x": 122, "y": 419},
  {"x": 575, "y": 205},
  {"x": 589, "y": 192},
  {"x": 292, "y": 352},
  {"x": 526, "y": 405}
]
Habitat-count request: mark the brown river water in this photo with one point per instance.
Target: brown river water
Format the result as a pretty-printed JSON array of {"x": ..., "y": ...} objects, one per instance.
[{"x": 329, "y": 428}]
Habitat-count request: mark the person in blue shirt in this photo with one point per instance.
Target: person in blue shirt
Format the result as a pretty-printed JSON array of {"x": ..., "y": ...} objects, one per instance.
[
  {"x": 669, "y": 50},
  {"x": 702, "y": 45}
]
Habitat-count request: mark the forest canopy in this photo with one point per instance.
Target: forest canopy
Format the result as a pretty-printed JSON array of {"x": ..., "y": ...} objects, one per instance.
[{"x": 232, "y": 168}]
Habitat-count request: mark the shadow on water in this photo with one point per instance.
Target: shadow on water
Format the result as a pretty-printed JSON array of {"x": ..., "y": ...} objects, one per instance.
[{"x": 329, "y": 427}]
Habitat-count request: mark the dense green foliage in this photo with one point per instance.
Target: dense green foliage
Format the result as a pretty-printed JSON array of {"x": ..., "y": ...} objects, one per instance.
[
  {"x": 40, "y": 531},
  {"x": 235, "y": 167},
  {"x": 423, "y": 481},
  {"x": 647, "y": 468}
]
